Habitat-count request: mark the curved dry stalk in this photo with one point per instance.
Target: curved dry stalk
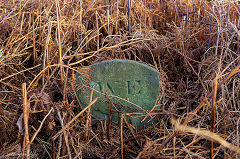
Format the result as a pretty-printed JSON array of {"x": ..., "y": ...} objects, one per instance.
[
  {"x": 199, "y": 107},
  {"x": 205, "y": 134}
]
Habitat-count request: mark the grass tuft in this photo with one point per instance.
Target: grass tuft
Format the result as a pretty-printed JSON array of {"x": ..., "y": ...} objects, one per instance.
[{"x": 194, "y": 44}]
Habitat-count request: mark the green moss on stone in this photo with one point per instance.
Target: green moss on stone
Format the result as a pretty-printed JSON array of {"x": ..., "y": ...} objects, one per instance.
[{"x": 131, "y": 86}]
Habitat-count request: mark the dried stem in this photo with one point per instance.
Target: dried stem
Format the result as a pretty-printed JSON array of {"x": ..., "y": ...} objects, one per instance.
[{"x": 26, "y": 108}]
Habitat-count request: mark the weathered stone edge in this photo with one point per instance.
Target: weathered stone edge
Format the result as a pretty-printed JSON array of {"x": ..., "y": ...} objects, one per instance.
[{"x": 120, "y": 60}]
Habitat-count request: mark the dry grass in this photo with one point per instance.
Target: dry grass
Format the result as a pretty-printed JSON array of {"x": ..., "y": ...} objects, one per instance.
[{"x": 193, "y": 44}]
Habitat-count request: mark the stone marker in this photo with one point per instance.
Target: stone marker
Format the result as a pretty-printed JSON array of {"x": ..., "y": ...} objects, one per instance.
[{"x": 130, "y": 86}]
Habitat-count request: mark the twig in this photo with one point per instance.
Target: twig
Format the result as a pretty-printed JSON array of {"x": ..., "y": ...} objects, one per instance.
[
  {"x": 199, "y": 107},
  {"x": 210, "y": 32},
  {"x": 65, "y": 135},
  {"x": 97, "y": 30},
  {"x": 39, "y": 128},
  {"x": 192, "y": 153},
  {"x": 59, "y": 145},
  {"x": 69, "y": 123},
  {"x": 206, "y": 134},
  {"x": 26, "y": 117},
  {"x": 19, "y": 73},
  {"x": 59, "y": 38},
  {"x": 122, "y": 144},
  {"x": 88, "y": 122},
  {"x": 129, "y": 16},
  {"x": 116, "y": 26},
  {"x": 213, "y": 114},
  {"x": 131, "y": 130}
]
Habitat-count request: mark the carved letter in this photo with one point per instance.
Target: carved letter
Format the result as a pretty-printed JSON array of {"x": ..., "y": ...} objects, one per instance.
[
  {"x": 138, "y": 87},
  {"x": 134, "y": 87},
  {"x": 110, "y": 88},
  {"x": 99, "y": 85}
]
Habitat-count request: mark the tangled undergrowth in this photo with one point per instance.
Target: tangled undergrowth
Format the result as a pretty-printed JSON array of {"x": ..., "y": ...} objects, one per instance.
[{"x": 193, "y": 44}]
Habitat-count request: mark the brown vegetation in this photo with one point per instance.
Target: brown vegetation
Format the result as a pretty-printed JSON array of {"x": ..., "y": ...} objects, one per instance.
[{"x": 193, "y": 44}]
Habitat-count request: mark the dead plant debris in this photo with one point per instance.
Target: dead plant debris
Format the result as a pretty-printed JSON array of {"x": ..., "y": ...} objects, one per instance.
[{"x": 194, "y": 44}]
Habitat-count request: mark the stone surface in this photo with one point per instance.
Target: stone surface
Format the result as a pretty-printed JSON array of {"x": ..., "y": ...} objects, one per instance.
[{"x": 130, "y": 86}]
